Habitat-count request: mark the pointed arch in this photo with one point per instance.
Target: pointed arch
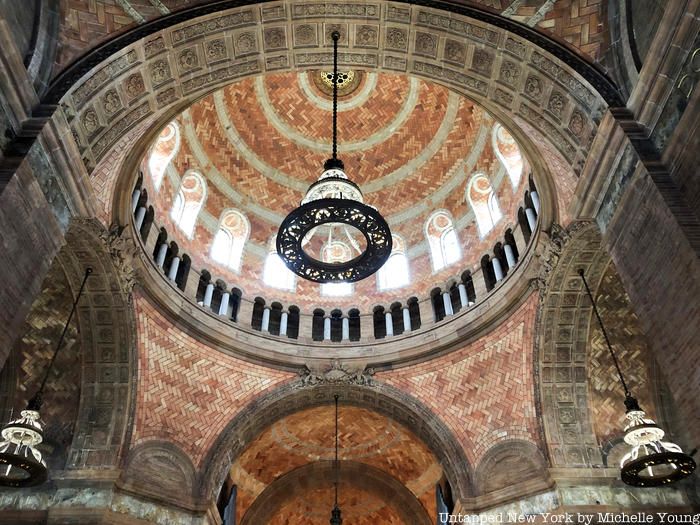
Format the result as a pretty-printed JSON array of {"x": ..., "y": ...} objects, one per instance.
[
  {"x": 484, "y": 202},
  {"x": 229, "y": 241},
  {"x": 395, "y": 272},
  {"x": 188, "y": 202},
  {"x": 508, "y": 153},
  {"x": 442, "y": 239},
  {"x": 275, "y": 272},
  {"x": 162, "y": 152}
]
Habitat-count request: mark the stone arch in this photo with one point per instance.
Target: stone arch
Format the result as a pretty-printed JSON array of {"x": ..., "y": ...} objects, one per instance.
[
  {"x": 291, "y": 398},
  {"x": 508, "y": 463},
  {"x": 564, "y": 318},
  {"x": 159, "y": 68},
  {"x": 321, "y": 474},
  {"x": 107, "y": 396},
  {"x": 162, "y": 471}
]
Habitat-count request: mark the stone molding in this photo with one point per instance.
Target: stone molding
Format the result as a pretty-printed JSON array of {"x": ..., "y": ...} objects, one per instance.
[
  {"x": 109, "y": 350},
  {"x": 561, "y": 350}
]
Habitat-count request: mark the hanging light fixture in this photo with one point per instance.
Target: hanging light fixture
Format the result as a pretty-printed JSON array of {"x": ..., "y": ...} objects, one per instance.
[
  {"x": 333, "y": 236},
  {"x": 651, "y": 462},
  {"x": 336, "y": 519},
  {"x": 21, "y": 463}
]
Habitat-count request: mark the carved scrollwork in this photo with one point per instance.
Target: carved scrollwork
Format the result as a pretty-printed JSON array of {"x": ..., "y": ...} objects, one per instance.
[
  {"x": 122, "y": 250},
  {"x": 337, "y": 373},
  {"x": 557, "y": 238}
]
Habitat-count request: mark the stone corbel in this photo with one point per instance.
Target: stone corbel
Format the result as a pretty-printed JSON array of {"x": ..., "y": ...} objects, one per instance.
[{"x": 122, "y": 249}]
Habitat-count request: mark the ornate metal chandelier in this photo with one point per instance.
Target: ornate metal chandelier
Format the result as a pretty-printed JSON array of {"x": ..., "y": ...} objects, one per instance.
[
  {"x": 318, "y": 240},
  {"x": 651, "y": 462},
  {"x": 21, "y": 463},
  {"x": 336, "y": 518}
]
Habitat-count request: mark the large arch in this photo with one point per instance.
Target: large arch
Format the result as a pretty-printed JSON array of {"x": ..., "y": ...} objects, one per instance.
[
  {"x": 563, "y": 319},
  {"x": 158, "y": 69},
  {"x": 108, "y": 345},
  {"x": 322, "y": 474},
  {"x": 290, "y": 398}
]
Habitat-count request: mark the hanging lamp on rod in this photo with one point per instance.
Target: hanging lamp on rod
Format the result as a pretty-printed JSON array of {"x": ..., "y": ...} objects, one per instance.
[
  {"x": 333, "y": 236},
  {"x": 336, "y": 518},
  {"x": 21, "y": 463},
  {"x": 651, "y": 462}
]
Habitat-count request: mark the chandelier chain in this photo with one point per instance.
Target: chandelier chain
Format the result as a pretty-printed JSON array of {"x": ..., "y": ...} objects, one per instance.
[
  {"x": 336, "y": 450},
  {"x": 605, "y": 334},
  {"x": 335, "y": 36}
]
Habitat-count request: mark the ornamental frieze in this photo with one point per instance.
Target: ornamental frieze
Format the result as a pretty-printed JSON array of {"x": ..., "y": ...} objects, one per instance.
[
  {"x": 104, "y": 75},
  {"x": 232, "y": 21},
  {"x": 332, "y": 9}
]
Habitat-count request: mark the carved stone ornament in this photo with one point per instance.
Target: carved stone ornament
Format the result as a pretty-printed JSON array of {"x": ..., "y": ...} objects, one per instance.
[
  {"x": 337, "y": 373},
  {"x": 549, "y": 255},
  {"x": 533, "y": 87},
  {"x": 274, "y": 38},
  {"x": 577, "y": 123},
  {"x": 556, "y": 105},
  {"x": 90, "y": 121},
  {"x": 509, "y": 73},
  {"x": 215, "y": 49},
  {"x": 455, "y": 51},
  {"x": 160, "y": 71},
  {"x": 482, "y": 62},
  {"x": 135, "y": 85},
  {"x": 397, "y": 38},
  {"x": 188, "y": 59},
  {"x": 367, "y": 36},
  {"x": 246, "y": 43},
  {"x": 305, "y": 35},
  {"x": 122, "y": 249},
  {"x": 111, "y": 102},
  {"x": 426, "y": 44}
]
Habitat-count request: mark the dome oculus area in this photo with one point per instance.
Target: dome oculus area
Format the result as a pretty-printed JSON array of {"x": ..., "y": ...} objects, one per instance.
[{"x": 446, "y": 176}]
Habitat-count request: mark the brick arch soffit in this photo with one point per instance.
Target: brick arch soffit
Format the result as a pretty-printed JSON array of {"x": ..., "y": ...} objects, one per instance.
[
  {"x": 108, "y": 346},
  {"x": 147, "y": 85},
  {"x": 561, "y": 351},
  {"x": 320, "y": 474},
  {"x": 293, "y": 397}
]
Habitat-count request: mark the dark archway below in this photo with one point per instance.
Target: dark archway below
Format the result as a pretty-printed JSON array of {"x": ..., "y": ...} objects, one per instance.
[{"x": 321, "y": 474}]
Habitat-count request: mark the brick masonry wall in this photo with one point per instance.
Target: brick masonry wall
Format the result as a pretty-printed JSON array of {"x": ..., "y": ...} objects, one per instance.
[
  {"x": 661, "y": 272},
  {"x": 30, "y": 238},
  {"x": 188, "y": 391},
  {"x": 484, "y": 392}
]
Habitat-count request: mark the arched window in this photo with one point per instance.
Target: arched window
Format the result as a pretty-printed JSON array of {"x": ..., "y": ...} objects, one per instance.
[
  {"x": 443, "y": 241},
  {"x": 275, "y": 272},
  {"x": 188, "y": 202},
  {"x": 334, "y": 252},
  {"x": 162, "y": 152},
  {"x": 508, "y": 152},
  {"x": 230, "y": 239},
  {"x": 484, "y": 203},
  {"x": 394, "y": 273}
]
